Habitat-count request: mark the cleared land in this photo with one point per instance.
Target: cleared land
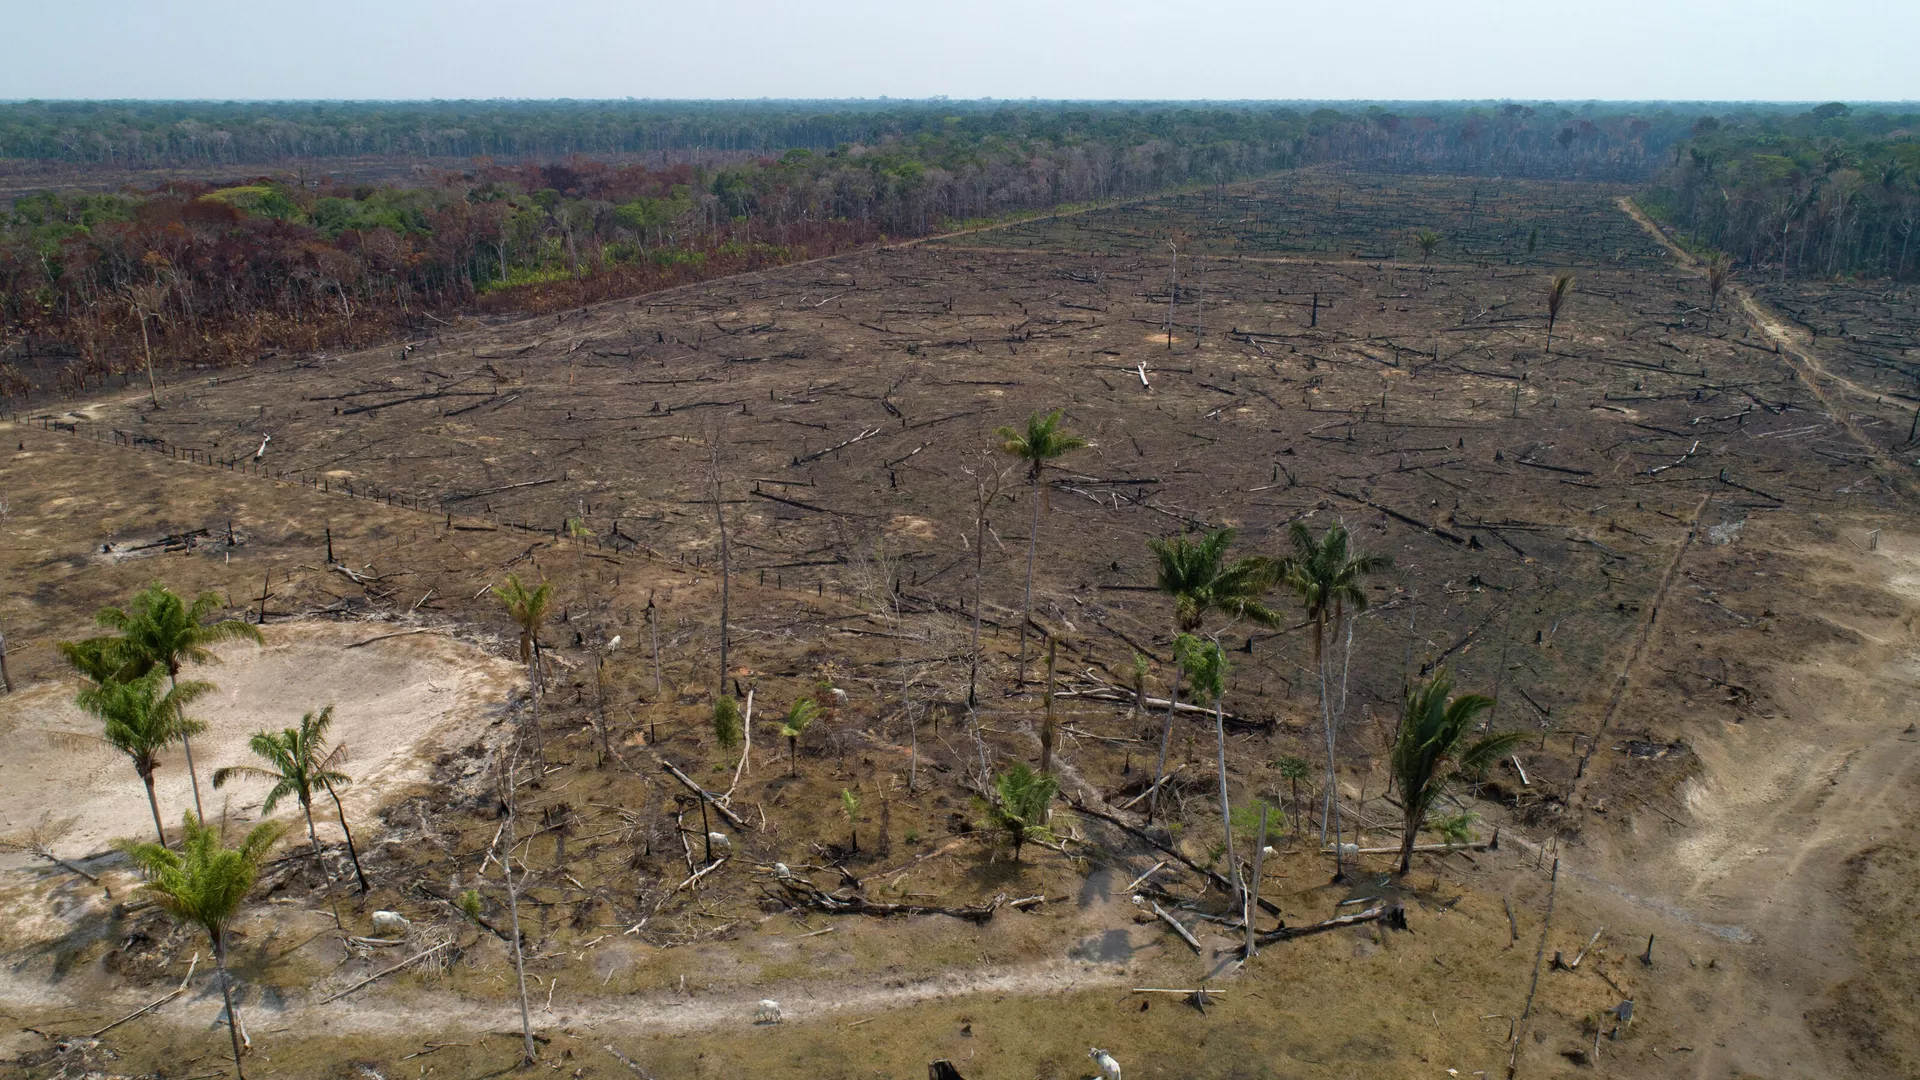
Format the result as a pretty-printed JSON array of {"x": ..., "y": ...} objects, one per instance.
[{"x": 1651, "y": 542}]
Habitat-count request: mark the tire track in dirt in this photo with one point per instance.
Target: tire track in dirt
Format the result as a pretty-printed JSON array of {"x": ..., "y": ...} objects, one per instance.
[
  {"x": 660, "y": 1013},
  {"x": 1639, "y": 645},
  {"x": 1805, "y": 363}
]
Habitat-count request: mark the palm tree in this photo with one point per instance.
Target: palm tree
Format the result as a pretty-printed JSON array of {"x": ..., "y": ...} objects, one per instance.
[
  {"x": 1428, "y": 240},
  {"x": 528, "y": 609},
  {"x": 98, "y": 660},
  {"x": 795, "y": 725},
  {"x": 1199, "y": 578},
  {"x": 1022, "y": 798},
  {"x": 204, "y": 883},
  {"x": 1556, "y": 295},
  {"x": 1206, "y": 664},
  {"x": 850, "y": 805},
  {"x": 141, "y": 722},
  {"x": 1325, "y": 574},
  {"x": 1197, "y": 575},
  {"x": 159, "y": 629},
  {"x": 1040, "y": 443},
  {"x": 1433, "y": 746},
  {"x": 298, "y": 762}
]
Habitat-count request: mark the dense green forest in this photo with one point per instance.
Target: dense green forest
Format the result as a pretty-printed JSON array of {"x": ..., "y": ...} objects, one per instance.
[
  {"x": 1831, "y": 191},
  {"x": 139, "y": 134},
  {"x": 232, "y": 263}
]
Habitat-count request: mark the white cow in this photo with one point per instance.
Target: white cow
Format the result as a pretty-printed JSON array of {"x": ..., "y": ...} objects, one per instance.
[
  {"x": 1109, "y": 1068},
  {"x": 390, "y": 924},
  {"x": 719, "y": 841},
  {"x": 768, "y": 1012}
]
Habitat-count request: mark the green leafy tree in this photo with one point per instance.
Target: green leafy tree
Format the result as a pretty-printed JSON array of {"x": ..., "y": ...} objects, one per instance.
[
  {"x": 1042, "y": 442},
  {"x": 141, "y": 721},
  {"x": 1022, "y": 801},
  {"x": 1200, "y": 579},
  {"x": 204, "y": 884},
  {"x": 1434, "y": 745},
  {"x": 160, "y": 630},
  {"x": 794, "y": 725},
  {"x": 298, "y": 763},
  {"x": 1246, "y": 819},
  {"x": 727, "y": 724}
]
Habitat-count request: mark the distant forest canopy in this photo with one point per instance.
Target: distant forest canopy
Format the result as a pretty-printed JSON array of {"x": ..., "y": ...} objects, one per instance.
[
  {"x": 1831, "y": 191},
  {"x": 211, "y": 272},
  {"x": 1620, "y": 140},
  {"x": 202, "y": 271}
]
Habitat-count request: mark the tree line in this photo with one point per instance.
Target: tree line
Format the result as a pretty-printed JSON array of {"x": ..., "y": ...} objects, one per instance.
[
  {"x": 1830, "y": 191},
  {"x": 210, "y": 134},
  {"x": 210, "y": 272}
]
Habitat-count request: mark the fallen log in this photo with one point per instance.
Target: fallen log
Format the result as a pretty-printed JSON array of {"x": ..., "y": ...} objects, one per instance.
[
  {"x": 804, "y": 893},
  {"x": 712, "y": 799},
  {"x": 383, "y": 973},
  {"x": 182, "y": 988},
  {"x": 1211, "y": 875},
  {"x": 1393, "y": 916},
  {"x": 1186, "y": 935}
]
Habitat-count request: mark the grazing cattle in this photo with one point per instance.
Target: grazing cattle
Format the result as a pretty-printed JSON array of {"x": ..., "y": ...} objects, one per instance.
[
  {"x": 719, "y": 841},
  {"x": 390, "y": 923},
  {"x": 780, "y": 871},
  {"x": 768, "y": 1012},
  {"x": 1109, "y": 1068}
]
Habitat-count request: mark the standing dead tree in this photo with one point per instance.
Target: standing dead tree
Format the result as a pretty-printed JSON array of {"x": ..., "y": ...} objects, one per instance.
[
  {"x": 715, "y": 438},
  {"x": 146, "y": 300},
  {"x": 510, "y": 797}
]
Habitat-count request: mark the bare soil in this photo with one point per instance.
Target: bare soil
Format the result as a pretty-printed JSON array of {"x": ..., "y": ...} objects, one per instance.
[{"x": 1674, "y": 547}]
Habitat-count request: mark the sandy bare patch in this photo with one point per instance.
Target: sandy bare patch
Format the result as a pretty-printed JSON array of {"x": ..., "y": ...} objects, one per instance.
[{"x": 395, "y": 703}]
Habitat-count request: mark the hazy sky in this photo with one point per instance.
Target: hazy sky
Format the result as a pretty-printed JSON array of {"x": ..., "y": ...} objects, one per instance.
[{"x": 1330, "y": 49}]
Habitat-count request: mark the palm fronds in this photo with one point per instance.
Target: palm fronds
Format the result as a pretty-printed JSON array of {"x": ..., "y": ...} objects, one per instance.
[
  {"x": 1199, "y": 578},
  {"x": 1326, "y": 573},
  {"x": 1433, "y": 745},
  {"x": 794, "y": 725},
  {"x": 158, "y": 628},
  {"x": 1021, "y": 804},
  {"x": 527, "y": 608},
  {"x": 1556, "y": 296},
  {"x": 1040, "y": 442},
  {"x": 298, "y": 761}
]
